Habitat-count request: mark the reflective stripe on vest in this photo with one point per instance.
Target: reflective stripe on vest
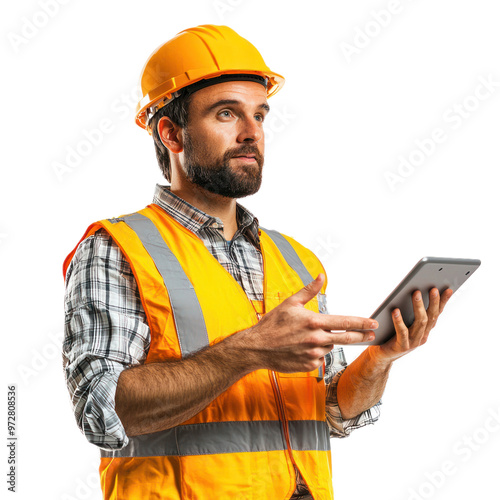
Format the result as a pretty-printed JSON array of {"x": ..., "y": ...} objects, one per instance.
[
  {"x": 186, "y": 309},
  {"x": 294, "y": 261},
  {"x": 290, "y": 255},
  {"x": 226, "y": 437}
]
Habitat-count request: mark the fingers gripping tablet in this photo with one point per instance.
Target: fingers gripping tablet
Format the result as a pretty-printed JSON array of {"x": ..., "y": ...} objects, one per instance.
[{"x": 428, "y": 273}]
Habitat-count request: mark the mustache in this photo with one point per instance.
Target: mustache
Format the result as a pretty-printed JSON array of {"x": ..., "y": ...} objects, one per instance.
[{"x": 247, "y": 149}]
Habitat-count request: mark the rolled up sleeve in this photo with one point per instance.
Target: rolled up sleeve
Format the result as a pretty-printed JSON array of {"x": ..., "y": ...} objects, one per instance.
[
  {"x": 340, "y": 427},
  {"x": 92, "y": 383},
  {"x": 105, "y": 332},
  {"x": 335, "y": 364}
]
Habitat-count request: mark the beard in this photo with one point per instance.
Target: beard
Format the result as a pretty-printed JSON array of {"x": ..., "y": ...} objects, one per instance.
[{"x": 214, "y": 173}]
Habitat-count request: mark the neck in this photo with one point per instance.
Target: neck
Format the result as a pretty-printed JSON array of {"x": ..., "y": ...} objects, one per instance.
[{"x": 210, "y": 203}]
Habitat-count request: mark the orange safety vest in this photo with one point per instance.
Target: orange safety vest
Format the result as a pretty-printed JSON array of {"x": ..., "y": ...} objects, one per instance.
[{"x": 244, "y": 444}]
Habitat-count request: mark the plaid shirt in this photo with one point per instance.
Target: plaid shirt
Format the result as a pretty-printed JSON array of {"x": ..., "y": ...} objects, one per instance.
[{"x": 106, "y": 329}]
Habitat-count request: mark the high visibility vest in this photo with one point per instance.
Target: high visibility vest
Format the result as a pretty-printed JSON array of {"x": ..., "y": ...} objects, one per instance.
[{"x": 244, "y": 444}]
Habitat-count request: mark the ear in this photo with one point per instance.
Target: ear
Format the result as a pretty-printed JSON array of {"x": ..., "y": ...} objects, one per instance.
[{"x": 170, "y": 134}]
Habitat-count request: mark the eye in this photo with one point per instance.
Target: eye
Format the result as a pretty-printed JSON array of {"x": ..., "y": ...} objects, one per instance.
[
  {"x": 260, "y": 117},
  {"x": 225, "y": 113}
]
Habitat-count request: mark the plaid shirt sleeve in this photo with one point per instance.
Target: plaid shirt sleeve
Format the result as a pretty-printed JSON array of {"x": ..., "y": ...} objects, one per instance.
[
  {"x": 105, "y": 332},
  {"x": 335, "y": 364}
]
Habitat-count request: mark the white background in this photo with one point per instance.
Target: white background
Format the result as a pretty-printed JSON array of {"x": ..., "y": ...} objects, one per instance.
[{"x": 352, "y": 105}]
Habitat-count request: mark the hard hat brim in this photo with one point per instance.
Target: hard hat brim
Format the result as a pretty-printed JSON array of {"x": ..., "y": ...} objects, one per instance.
[{"x": 165, "y": 92}]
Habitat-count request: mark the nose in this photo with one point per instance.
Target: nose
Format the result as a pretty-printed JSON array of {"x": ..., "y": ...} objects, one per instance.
[{"x": 250, "y": 130}]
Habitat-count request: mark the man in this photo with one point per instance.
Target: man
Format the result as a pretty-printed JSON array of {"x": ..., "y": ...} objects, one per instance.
[{"x": 202, "y": 377}]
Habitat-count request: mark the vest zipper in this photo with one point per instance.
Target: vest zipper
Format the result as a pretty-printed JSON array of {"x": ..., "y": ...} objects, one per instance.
[
  {"x": 281, "y": 408},
  {"x": 281, "y": 411},
  {"x": 274, "y": 383}
]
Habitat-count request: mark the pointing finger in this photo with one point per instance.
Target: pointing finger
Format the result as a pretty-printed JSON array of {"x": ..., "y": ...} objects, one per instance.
[
  {"x": 304, "y": 295},
  {"x": 351, "y": 337},
  {"x": 336, "y": 322}
]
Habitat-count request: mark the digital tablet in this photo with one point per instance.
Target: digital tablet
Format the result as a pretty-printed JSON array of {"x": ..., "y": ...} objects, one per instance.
[{"x": 428, "y": 273}]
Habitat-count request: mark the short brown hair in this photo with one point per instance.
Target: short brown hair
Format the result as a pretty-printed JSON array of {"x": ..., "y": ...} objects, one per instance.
[{"x": 177, "y": 111}]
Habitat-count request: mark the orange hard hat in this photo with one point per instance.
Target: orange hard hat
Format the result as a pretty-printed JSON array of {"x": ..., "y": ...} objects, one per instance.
[{"x": 196, "y": 54}]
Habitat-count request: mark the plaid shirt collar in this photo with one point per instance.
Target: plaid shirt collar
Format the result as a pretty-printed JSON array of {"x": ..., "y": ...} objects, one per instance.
[{"x": 196, "y": 220}]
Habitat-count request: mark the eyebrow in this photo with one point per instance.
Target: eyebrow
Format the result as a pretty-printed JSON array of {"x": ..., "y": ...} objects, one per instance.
[{"x": 226, "y": 102}]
